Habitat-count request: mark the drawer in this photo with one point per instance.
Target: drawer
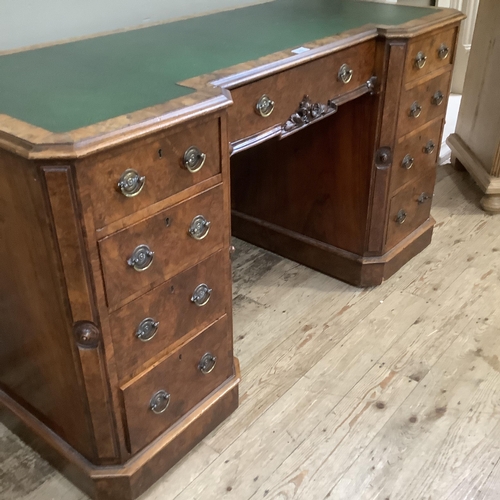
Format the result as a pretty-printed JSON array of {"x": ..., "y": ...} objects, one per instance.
[
  {"x": 146, "y": 254},
  {"x": 410, "y": 208},
  {"x": 416, "y": 155},
  {"x": 150, "y": 324},
  {"x": 318, "y": 79},
  {"x": 158, "y": 398},
  {"x": 428, "y": 53},
  {"x": 153, "y": 170},
  {"x": 423, "y": 103}
]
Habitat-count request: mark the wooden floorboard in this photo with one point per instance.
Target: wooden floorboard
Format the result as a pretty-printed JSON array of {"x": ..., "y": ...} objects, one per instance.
[{"x": 390, "y": 392}]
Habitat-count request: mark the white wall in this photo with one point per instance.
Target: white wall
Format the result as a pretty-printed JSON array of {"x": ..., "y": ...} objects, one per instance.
[{"x": 32, "y": 22}]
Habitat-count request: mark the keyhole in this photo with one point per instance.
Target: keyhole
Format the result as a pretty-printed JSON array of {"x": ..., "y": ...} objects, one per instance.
[
  {"x": 160, "y": 153},
  {"x": 168, "y": 222}
]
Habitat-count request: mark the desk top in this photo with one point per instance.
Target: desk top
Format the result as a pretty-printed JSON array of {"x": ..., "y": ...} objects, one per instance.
[
  {"x": 69, "y": 100},
  {"x": 73, "y": 85}
]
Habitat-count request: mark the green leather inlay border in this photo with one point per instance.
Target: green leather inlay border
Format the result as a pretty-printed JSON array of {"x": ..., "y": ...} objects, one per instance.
[{"x": 65, "y": 87}]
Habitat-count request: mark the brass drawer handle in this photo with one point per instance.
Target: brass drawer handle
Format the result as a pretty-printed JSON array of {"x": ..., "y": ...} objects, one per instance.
[
  {"x": 141, "y": 259},
  {"x": 131, "y": 183},
  {"x": 415, "y": 110},
  {"x": 437, "y": 98},
  {"x": 159, "y": 402},
  {"x": 401, "y": 217},
  {"x": 207, "y": 363},
  {"x": 199, "y": 227},
  {"x": 265, "y": 106},
  {"x": 408, "y": 162},
  {"x": 194, "y": 159},
  {"x": 201, "y": 295},
  {"x": 443, "y": 51},
  {"x": 345, "y": 73},
  {"x": 429, "y": 148},
  {"x": 147, "y": 329},
  {"x": 420, "y": 60},
  {"x": 423, "y": 198}
]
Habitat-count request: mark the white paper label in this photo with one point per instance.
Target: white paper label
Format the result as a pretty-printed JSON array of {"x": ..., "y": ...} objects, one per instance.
[{"x": 300, "y": 50}]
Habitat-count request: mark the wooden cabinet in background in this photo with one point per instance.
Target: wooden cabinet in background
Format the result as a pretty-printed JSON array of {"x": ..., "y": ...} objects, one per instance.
[{"x": 476, "y": 143}]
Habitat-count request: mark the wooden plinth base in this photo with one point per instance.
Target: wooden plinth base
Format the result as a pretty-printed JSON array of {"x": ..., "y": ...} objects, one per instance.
[
  {"x": 129, "y": 480},
  {"x": 464, "y": 158},
  {"x": 340, "y": 264}
]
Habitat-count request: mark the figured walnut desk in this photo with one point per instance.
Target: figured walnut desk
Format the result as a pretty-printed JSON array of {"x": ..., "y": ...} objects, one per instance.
[{"x": 117, "y": 194}]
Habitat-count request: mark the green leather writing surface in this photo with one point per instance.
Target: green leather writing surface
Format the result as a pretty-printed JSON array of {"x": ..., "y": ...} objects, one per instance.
[{"x": 65, "y": 87}]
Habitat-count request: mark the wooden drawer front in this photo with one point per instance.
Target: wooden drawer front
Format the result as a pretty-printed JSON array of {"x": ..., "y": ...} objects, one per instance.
[
  {"x": 171, "y": 307},
  {"x": 412, "y": 205},
  {"x": 429, "y": 47},
  {"x": 424, "y": 96},
  {"x": 160, "y": 162},
  {"x": 180, "y": 377},
  {"x": 318, "y": 79},
  {"x": 415, "y": 155},
  {"x": 167, "y": 235}
]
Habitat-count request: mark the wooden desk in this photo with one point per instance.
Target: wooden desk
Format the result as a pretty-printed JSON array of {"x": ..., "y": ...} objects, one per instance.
[{"x": 117, "y": 194}]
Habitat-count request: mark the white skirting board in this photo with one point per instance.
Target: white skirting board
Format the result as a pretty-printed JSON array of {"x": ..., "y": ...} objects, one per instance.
[{"x": 449, "y": 128}]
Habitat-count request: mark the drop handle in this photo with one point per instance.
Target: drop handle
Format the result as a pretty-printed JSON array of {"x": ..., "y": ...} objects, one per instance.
[
  {"x": 265, "y": 106},
  {"x": 131, "y": 183},
  {"x": 429, "y": 148},
  {"x": 415, "y": 110},
  {"x": 201, "y": 295},
  {"x": 437, "y": 98},
  {"x": 141, "y": 258},
  {"x": 420, "y": 60},
  {"x": 199, "y": 227},
  {"x": 408, "y": 162},
  {"x": 401, "y": 217},
  {"x": 207, "y": 363},
  {"x": 443, "y": 51},
  {"x": 147, "y": 329},
  {"x": 345, "y": 74},
  {"x": 194, "y": 159},
  {"x": 159, "y": 402},
  {"x": 423, "y": 198}
]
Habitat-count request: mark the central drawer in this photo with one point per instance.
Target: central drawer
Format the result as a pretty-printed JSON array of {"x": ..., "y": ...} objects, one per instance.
[
  {"x": 157, "y": 399},
  {"x": 146, "y": 254},
  {"x": 318, "y": 79}
]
